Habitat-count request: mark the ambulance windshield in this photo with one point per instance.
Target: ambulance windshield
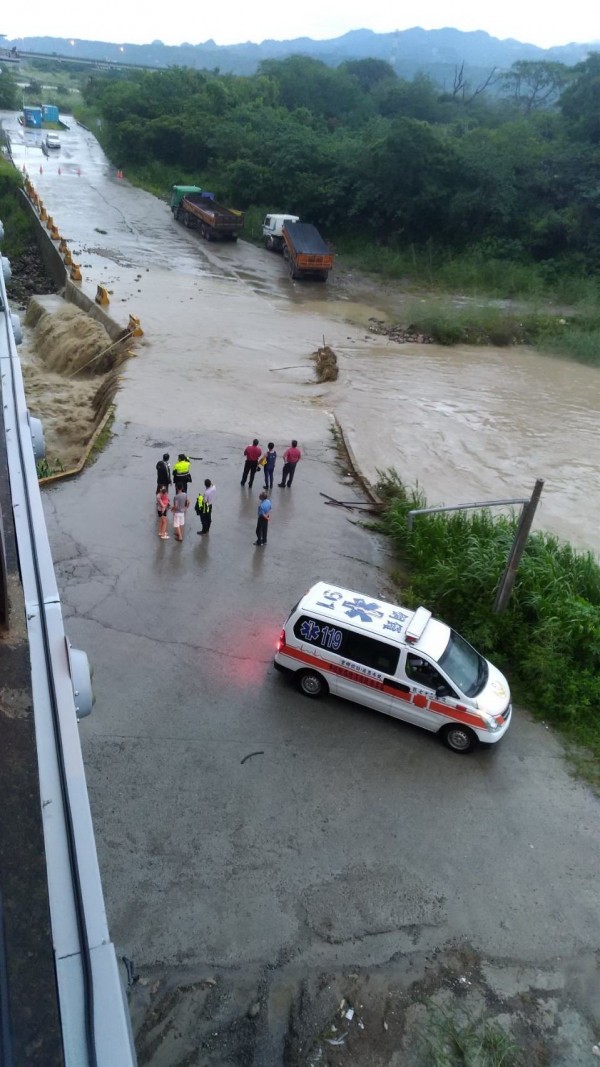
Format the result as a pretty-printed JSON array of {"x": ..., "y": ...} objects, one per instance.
[{"x": 463, "y": 665}]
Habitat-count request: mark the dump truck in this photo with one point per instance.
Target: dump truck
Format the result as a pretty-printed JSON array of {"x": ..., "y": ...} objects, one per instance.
[
  {"x": 198, "y": 209},
  {"x": 273, "y": 230},
  {"x": 305, "y": 250}
]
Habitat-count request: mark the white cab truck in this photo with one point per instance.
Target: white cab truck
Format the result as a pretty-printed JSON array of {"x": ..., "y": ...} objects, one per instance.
[
  {"x": 273, "y": 230},
  {"x": 403, "y": 663}
]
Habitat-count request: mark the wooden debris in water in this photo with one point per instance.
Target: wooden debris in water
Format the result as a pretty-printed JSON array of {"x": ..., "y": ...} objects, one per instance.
[{"x": 326, "y": 364}]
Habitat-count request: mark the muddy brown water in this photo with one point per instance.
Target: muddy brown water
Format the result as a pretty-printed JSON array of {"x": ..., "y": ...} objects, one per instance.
[{"x": 68, "y": 375}]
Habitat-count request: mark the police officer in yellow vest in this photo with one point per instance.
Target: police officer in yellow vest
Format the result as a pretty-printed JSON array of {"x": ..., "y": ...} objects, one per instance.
[
  {"x": 204, "y": 505},
  {"x": 181, "y": 473}
]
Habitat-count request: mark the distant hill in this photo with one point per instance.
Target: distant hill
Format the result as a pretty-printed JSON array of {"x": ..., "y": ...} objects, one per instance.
[{"x": 433, "y": 52}]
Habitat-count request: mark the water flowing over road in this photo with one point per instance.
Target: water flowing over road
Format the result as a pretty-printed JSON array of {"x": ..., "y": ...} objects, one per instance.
[{"x": 464, "y": 423}]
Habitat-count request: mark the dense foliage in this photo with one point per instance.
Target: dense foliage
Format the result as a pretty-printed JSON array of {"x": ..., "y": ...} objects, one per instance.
[
  {"x": 18, "y": 230},
  {"x": 366, "y": 154},
  {"x": 548, "y": 641}
]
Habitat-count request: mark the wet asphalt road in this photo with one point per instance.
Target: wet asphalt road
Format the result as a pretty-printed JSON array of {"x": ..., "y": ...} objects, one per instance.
[{"x": 346, "y": 839}]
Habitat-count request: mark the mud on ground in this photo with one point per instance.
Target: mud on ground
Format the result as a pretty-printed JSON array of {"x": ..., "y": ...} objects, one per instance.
[{"x": 452, "y": 1009}]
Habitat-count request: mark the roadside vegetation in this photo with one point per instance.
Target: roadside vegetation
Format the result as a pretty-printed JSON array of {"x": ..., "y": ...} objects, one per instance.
[
  {"x": 486, "y": 191},
  {"x": 18, "y": 229},
  {"x": 548, "y": 640}
]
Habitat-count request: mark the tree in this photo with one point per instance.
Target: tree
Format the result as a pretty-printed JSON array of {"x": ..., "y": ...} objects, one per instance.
[
  {"x": 533, "y": 85},
  {"x": 580, "y": 101},
  {"x": 8, "y": 91}
]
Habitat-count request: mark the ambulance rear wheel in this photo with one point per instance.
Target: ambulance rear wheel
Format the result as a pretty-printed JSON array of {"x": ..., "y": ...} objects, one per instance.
[
  {"x": 312, "y": 684},
  {"x": 458, "y": 738}
]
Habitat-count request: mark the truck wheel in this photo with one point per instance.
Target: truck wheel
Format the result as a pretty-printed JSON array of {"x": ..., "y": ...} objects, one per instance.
[
  {"x": 233, "y": 237},
  {"x": 270, "y": 244},
  {"x": 458, "y": 738},
  {"x": 292, "y": 268},
  {"x": 186, "y": 219},
  {"x": 286, "y": 252},
  {"x": 312, "y": 684}
]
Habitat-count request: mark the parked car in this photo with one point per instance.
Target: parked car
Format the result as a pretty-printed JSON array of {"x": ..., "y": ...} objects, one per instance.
[{"x": 52, "y": 140}]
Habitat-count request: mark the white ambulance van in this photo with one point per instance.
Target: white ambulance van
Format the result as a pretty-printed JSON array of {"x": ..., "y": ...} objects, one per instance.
[{"x": 404, "y": 663}]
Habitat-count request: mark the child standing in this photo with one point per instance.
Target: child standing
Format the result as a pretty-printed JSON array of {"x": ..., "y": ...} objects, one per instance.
[{"x": 162, "y": 507}]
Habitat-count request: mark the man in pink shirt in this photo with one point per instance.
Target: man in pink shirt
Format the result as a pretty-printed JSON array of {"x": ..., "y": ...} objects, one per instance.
[
  {"x": 291, "y": 458},
  {"x": 252, "y": 453}
]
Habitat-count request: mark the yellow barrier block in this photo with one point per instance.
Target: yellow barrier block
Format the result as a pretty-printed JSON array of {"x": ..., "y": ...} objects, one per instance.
[
  {"x": 68, "y": 258},
  {"x": 43, "y": 215},
  {"x": 63, "y": 246},
  {"x": 54, "y": 234},
  {"x": 134, "y": 326},
  {"x": 75, "y": 272},
  {"x": 49, "y": 222},
  {"x": 102, "y": 296}
]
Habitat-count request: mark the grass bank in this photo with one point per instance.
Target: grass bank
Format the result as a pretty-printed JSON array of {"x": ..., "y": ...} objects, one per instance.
[
  {"x": 574, "y": 334},
  {"x": 547, "y": 642}
]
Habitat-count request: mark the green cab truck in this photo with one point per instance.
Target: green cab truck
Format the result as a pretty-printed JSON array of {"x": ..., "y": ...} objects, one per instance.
[{"x": 199, "y": 210}]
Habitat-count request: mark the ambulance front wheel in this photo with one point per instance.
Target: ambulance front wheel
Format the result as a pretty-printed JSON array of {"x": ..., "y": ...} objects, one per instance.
[
  {"x": 458, "y": 738},
  {"x": 312, "y": 684}
]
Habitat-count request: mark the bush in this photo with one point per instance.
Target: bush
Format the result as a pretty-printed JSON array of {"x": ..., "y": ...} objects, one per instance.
[
  {"x": 548, "y": 640},
  {"x": 18, "y": 227}
]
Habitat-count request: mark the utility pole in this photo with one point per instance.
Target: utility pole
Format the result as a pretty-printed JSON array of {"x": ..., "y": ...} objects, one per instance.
[{"x": 518, "y": 546}]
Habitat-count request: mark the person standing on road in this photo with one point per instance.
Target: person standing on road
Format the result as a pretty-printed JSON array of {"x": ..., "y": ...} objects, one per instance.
[
  {"x": 182, "y": 473},
  {"x": 179, "y": 508},
  {"x": 270, "y": 458},
  {"x": 204, "y": 505},
  {"x": 291, "y": 459},
  {"x": 252, "y": 453},
  {"x": 163, "y": 473},
  {"x": 262, "y": 525},
  {"x": 162, "y": 507}
]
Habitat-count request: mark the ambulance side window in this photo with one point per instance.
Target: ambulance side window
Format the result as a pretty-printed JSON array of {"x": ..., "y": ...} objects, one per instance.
[
  {"x": 422, "y": 672},
  {"x": 371, "y": 653},
  {"x": 358, "y": 647}
]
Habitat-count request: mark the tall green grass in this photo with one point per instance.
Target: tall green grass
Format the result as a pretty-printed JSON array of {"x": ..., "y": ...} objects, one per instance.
[
  {"x": 547, "y": 642},
  {"x": 575, "y": 335}
]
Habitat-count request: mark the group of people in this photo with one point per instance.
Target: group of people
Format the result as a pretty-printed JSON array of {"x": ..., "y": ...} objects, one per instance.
[
  {"x": 255, "y": 458},
  {"x": 180, "y": 476}
]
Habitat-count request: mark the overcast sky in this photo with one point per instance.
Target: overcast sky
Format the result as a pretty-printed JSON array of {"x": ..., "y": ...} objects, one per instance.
[{"x": 231, "y": 22}]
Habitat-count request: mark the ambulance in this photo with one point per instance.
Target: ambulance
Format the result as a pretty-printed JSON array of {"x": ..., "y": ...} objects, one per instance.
[{"x": 403, "y": 663}]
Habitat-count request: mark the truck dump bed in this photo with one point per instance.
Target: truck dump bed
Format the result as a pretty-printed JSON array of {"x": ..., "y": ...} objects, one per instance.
[
  {"x": 306, "y": 251},
  {"x": 306, "y": 239},
  {"x": 212, "y": 213}
]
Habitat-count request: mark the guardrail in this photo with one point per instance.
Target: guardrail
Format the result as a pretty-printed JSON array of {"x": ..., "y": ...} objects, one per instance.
[{"x": 94, "y": 1016}]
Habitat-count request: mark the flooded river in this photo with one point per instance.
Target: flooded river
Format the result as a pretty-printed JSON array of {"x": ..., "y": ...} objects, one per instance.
[{"x": 463, "y": 423}]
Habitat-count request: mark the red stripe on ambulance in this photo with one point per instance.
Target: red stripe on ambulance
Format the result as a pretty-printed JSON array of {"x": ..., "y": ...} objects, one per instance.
[{"x": 459, "y": 714}]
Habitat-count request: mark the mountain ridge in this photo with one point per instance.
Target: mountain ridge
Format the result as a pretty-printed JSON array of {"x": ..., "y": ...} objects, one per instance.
[{"x": 434, "y": 52}]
